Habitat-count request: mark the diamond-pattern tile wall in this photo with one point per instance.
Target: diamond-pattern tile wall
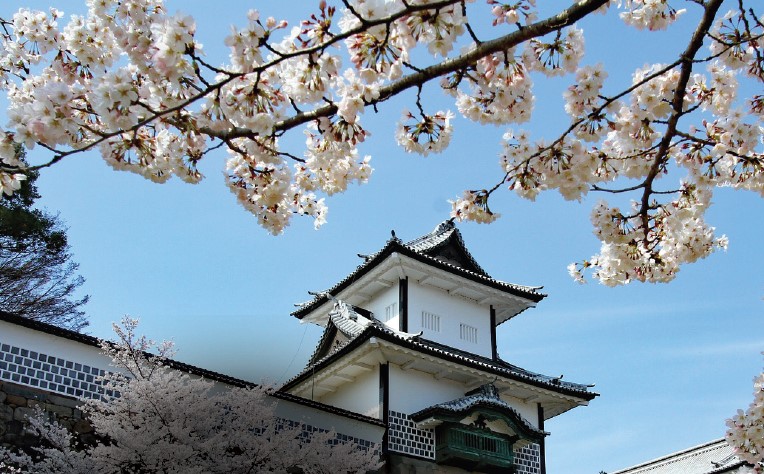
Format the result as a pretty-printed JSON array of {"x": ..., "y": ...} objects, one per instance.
[{"x": 45, "y": 371}]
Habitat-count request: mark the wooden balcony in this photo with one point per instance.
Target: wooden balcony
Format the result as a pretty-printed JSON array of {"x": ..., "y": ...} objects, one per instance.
[{"x": 474, "y": 449}]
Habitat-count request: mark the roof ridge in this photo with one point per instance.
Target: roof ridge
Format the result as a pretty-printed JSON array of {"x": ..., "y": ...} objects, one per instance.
[
  {"x": 677, "y": 455},
  {"x": 438, "y": 237}
]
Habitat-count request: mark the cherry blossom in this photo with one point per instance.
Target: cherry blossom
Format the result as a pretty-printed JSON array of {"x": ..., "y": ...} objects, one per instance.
[
  {"x": 431, "y": 134},
  {"x": 745, "y": 430},
  {"x": 131, "y": 80}
]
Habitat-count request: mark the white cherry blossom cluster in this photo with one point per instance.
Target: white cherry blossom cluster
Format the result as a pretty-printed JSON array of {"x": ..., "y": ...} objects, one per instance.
[
  {"x": 745, "y": 430},
  {"x": 499, "y": 92},
  {"x": 430, "y": 134},
  {"x": 10, "y": 183},
  {"x": 652, "y": 248},
  {"x": 534, "y": 167},
  {"x": 582, "y": 97},
  {"x": 652, "y": 15},
  {"x": 439, "y": 32},
  {"x": 737, "y": 42},
  {"x": 38, "y": 28},
  {"x": 512, "y": 13},
  {"x": 332, "y": 163},
  {"x": 473, "y": 206},
  {"x": 557, "y": 58}
]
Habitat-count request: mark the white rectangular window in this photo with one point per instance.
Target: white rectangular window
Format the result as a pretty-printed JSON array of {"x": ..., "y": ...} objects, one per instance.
[
  {"x": 430, "y": 321},
  {"x": 391, "y": 311},
  {"x": 467, "y": 333}
]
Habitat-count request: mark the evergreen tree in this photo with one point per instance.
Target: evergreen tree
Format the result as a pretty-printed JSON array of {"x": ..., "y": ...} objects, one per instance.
[{"x": 38, "y": 280}]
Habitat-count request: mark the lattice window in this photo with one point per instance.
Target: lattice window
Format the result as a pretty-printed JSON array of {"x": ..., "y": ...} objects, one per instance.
[
  {"x": 527, "y": 458},
  {"x": 404, "y": 437},
  {"x": 35, "y": 369},
  {"x": 430, "y": 321},
  {"x": 391, "y": 311},
  {"x": 468, "y": 333}
]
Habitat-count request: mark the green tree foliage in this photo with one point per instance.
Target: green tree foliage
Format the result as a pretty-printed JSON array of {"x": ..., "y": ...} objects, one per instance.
[{"x": 38, "y": 280}]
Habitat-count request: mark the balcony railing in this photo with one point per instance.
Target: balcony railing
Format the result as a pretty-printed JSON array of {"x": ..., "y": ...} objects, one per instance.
[{"x": 473, "y": 448}]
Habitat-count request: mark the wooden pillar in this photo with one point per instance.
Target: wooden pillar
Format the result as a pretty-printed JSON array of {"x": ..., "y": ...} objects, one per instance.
[
  {"x": 403, "y": 304},
  {"x": 494, "y": 352},
  {"x": 384, "y": 408},
  {"x": 542, "y": 450}
]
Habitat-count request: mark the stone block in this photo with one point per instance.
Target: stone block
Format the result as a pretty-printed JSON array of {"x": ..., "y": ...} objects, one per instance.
[
  {"x": 82, "y": 427},
  {"x": 22, "y": 413},
  {"x": 6, "y": 413},
  {"x": 15, "y": 427},
  {"x": 15, "y": 401},
  {"x": 25, "y": 392},
  {"x": 57, "y": 410},
  {"x": 64, "y": 401}
]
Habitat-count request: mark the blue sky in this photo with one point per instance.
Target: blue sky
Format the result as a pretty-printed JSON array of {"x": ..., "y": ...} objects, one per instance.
[{"x": 671, "y": 361}]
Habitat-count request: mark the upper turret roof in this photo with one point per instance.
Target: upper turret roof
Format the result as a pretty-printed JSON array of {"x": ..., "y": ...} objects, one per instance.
[
  {"x": 445, "y": 243},
  {"x": 442, "y": 249}
]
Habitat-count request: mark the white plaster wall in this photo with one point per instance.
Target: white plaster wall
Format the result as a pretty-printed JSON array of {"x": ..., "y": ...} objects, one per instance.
[
  {"x": 412, "y": 390},
  {"x": 452, "y": 310},
  {"x": 329, "y": 421},
  {"x": 360, "y": 396},
  {"x": 44, "y": 343},
  {"x": 380, "y": 301},
  {"x": 528, "y": 410}
]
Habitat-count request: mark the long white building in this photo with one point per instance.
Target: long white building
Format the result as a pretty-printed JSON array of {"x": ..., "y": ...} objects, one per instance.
[{"x": 408, "y": 360}]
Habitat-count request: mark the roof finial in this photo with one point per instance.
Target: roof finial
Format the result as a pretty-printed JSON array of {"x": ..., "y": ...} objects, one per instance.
[{"x": 319, "y": 294}]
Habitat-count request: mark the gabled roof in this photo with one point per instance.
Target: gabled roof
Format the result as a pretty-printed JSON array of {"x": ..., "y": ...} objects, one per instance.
[
  {"x": 715, "y": 457},
  {"x": 445, "y": 243},
  {"x": 343, "y": 319},
  {"x": 443, "y": 249},
  {"x": 485, "y": 397},
  {"x": 364, "y": 329}
]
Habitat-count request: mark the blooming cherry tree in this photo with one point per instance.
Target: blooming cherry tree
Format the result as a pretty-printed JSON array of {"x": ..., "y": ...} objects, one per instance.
[
  {"x": 745, "y": 431},
  {"x": 160, "y": 419},
  {"x": 130, "y": 80}
]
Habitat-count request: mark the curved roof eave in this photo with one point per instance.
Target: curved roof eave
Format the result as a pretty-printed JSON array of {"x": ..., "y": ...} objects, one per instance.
[
  {"x": 519, "y": 375},
  {"x": 396, "y": 246}
]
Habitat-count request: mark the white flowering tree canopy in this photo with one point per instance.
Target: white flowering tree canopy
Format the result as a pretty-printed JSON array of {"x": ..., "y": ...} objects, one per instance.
[{"x": 130, "y": 80}]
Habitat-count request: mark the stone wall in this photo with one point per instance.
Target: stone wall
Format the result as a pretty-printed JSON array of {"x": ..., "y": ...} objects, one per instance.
[{"x": 18, "y": 402}]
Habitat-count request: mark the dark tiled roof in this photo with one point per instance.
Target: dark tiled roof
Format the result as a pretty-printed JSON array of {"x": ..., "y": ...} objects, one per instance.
[
  {"x": 198, "y": 371},
  {"x": 421, "y": 249},
  {"x": 485, "y": 396},
  {"x": 446, "y": 232},
  {"x": 375, "y": 328},
  {"x": 340, "y": 320},
  {"x": 715, "y": 457}
]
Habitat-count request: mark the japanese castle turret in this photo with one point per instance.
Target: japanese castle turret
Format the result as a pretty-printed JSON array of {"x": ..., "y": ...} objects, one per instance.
[{"x": 410, "y": 339}]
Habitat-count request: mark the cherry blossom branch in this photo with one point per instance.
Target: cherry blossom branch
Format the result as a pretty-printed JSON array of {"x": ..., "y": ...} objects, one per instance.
[{"x": 686, "y": 59}]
